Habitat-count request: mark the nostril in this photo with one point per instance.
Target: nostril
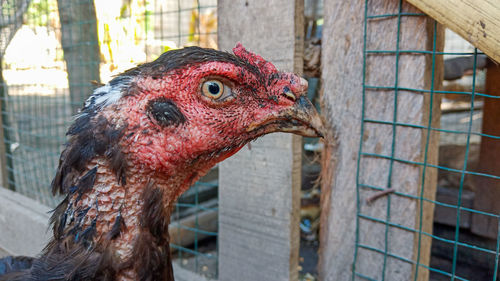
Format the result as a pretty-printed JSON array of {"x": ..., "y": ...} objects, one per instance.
[{"x": 288, "y": 94}]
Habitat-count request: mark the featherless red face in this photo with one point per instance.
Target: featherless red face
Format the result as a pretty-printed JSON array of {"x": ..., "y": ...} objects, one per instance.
[{"x": 194, "y": 107}]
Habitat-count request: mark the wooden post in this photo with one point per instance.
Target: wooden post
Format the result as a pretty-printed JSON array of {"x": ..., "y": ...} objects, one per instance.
[
  {"x": 6, "y": 166},
  {"x": 342, "y": 74},
  {"x": 476, "y": 21},
  {"x": 81, "y": 48},
  {"x": 488, "y": 189},
  {"x": 259, "y": 188}
]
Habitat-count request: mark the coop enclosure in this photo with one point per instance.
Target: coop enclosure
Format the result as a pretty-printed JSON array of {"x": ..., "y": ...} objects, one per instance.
[{"x": 409, "y": 181}]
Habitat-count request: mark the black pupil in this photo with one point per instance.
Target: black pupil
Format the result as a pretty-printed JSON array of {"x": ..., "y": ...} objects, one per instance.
[{"x": 213, "y": 88}]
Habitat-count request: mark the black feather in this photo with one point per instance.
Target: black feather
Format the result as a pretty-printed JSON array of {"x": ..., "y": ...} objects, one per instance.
[
  {"x": 66, "y": 261},
  {"x": 87, "y": 235},
  {"x": 151, "y": 260},
  {"x": 59, "y": 217},
  {"x": 151, "y": 255},
  {"x": 117, "y": 227},
  {"x": 86, "y": 182},
  {"x": 182, "y": 58},
  {"x": 165, "y": 112},
  {"x": 153, "y": 215},
  {"x": 88, "y": 140},
  {"x": 117, "y": 163}
]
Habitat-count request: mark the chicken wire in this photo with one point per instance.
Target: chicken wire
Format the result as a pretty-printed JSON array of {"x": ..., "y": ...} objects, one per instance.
[
  {"x": 49, "y": 69},
  {"x": 457, "y": 253}
]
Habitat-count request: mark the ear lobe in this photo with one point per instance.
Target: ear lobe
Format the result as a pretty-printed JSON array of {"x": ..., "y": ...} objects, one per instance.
[{"x": 165, "y": 112}]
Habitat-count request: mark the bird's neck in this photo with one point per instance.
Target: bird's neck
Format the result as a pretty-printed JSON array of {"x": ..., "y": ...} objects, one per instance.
[{"x": 130, "y": 220}]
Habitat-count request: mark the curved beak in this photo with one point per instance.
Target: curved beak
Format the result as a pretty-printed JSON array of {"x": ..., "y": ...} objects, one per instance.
[{"x": 301, "y": 119}]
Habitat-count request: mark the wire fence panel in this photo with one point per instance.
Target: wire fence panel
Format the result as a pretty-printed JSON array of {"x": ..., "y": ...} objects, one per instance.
[
  {"x": 465, "y": 242},
  {"x": 55, "y": 52}
]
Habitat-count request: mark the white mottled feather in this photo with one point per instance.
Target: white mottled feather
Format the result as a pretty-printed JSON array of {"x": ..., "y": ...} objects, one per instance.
[{"x": 107, "y": 94}]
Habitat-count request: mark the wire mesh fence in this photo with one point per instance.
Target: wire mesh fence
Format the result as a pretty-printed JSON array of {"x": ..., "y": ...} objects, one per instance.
[
  {"x": 465, "y": 242},
  {"x": 55, "y": 52}
]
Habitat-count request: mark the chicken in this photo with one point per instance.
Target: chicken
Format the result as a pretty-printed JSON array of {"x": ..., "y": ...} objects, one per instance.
[{"x": 142, "y": 140}]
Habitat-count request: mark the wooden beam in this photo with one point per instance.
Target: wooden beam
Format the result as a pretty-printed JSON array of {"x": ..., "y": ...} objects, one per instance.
[
  {"x": 488, "y": 189},
  {"x": 5, "y": 158},
  {"x": 476, "y": 21},
  {"x": 259, "y": 188},
  {"x": 342, "y": 74},
  {"x": 80, "y": 45}
]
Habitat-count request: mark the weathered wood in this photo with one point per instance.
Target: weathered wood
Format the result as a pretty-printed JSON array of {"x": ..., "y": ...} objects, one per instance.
[
  {"x": 6, "y": 166},
  {"x": 259, "y": 191},
  {"x": 342, "y": 73},
  {"x": 81, "y": 48},
  {"x": 476, "y": 21},
  {"x": 488, "y": 189}
]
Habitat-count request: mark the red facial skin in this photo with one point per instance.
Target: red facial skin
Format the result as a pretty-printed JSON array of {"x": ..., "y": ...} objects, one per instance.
[
  {"x": 174, "y": 157},
  {"x": 214, "y": 129}
]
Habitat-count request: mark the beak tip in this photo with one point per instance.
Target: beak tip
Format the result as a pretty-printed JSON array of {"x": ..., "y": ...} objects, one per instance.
[{"x": 320, "y": 131}]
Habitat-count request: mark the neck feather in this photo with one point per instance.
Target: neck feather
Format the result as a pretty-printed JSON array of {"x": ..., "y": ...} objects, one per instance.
[
  {"x": 115, "y": 206},
  {"x": 127, "y": 221}
]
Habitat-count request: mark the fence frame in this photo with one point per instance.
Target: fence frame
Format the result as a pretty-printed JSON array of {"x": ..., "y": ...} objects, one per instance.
[
  {"x": 259, "y": 188},
  {"x": 342, "y": 49},
  {"x": 475, "y": 21}
]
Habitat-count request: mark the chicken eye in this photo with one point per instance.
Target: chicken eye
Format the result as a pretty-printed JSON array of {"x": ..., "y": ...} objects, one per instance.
[{"x": 212, "y": 89}]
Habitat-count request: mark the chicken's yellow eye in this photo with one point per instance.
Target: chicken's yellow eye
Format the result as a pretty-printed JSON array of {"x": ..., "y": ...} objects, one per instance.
[{"x": 212, "y": 89}]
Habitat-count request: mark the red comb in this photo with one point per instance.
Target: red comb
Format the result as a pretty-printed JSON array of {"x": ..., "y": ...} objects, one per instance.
[{"x": 254, "y": 59}]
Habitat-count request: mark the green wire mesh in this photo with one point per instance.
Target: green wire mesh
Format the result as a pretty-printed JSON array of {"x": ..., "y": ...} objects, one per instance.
[
  {"x": 40, "y": 91},
  {"x": 457, "y": 244}
]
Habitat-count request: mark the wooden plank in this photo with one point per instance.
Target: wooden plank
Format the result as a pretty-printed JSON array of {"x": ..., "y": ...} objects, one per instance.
[
  {"x": 476, "y": 21},
  {"x": 259, "y": 191},
  {"x": 342, "y": 73},
  {"x": 488, "y": 189}
]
